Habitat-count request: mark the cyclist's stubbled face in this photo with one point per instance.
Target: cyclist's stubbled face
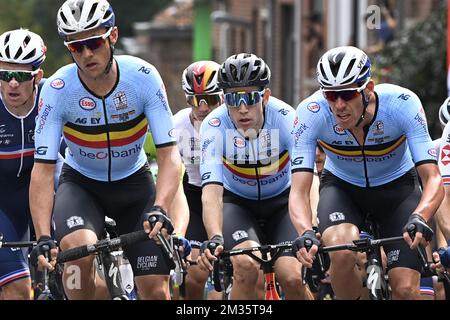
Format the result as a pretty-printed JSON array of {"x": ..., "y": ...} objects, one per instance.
[
  {"x": 348, "y": 113},
  {"x": 92, "y": 63},
  {"x": 246, "y": 117},
  {"x": 16, "y": 94}
]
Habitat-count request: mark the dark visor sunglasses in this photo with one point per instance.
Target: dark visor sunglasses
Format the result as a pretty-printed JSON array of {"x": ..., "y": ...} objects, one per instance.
[
  {"x": 210, "y": 100},
  {"x": 344, "y": 94},
  {"x": 234, "y": 99},
  {"x": 92, "y": 43},
  {"x": 19, "y": 76}
]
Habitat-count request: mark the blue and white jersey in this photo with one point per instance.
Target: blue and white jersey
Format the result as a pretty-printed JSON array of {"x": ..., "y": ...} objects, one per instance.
[
  {"x": 16, "y": 147},
  {"x": 251, "y": 168},
  {"x": 104, "y": 135},
  {"x": 396, "y": 140}
]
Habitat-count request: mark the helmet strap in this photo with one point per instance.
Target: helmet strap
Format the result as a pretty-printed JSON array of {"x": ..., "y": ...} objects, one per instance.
[
  {"x": 365, "y": 102},
  {"x": 111, "y": 59}
]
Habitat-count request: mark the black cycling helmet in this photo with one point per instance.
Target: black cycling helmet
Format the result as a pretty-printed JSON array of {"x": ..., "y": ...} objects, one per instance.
[{"x": 243, "y": 70}]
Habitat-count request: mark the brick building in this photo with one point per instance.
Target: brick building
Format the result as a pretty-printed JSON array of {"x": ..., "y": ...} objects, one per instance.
[{"x": 289, "y": 34}]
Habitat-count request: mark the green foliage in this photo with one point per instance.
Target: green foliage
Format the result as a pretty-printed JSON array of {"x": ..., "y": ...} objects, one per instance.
[
  {"x": 417, "y": 60},
  {"x": 40, "y": 16}
]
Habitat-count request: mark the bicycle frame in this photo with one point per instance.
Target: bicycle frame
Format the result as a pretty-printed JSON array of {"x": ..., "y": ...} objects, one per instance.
[
  {"x": 104, "y": 249},
  {"x": 267, "y": 265},
  {"x": 376, "y": 281}
]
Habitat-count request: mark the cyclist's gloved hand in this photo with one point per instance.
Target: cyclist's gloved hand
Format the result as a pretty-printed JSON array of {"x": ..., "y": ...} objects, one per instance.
[
  {"x": 306, "y": 240},
  {"x": 183, "y": 242},
  {"x": 417, "y": 224},
  {"x": 155, "y": 215},
  {"x": 444, "y": 256},
  {"x": 44, "y": 244},
  {"x": 204, "y": 261},
  {"x": 212, "y": 244}
]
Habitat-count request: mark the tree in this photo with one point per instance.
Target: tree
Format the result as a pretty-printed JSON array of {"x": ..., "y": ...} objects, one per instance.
[
  {"x": 40, "y": 17},
  {"x": 417, "y": 60}
]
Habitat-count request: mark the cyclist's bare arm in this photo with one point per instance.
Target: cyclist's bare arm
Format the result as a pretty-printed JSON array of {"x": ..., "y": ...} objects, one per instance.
[
  {"x": 432, "y": 195},
  {"x": 300, "y": 210},
  {"x": 212, "y": 202},
  {"x": 41, "y": 197},
  {"x": 443, "y": 216},
  {"x": 299, "y": 201},
  {"x": 179, "y": 212},
  {"x": 41, "y": 201},
  {"x": 169, "y": 170}
]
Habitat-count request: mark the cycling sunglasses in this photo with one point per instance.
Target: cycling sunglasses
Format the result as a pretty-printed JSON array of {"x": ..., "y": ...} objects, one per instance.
[
  {"x": 234, "y": 99},
  {"x": 210, "y": 100},
  {"x": 92, "y": 43},
  {"x": 19, "y": 75},
  {"x": 344, "y": 94}
]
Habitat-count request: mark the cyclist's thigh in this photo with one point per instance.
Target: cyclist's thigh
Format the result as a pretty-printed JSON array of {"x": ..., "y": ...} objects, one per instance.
[
  {"x": 336, "y": 206},
  {"x": 76, "y": 209},
  {"x": 13, "y": 262},
  {"x": 129, "y": 211},
  {"x": 279, "y": 228},
  {"x": 238, "y": 225},
  {"x": 391, "y": 218}
]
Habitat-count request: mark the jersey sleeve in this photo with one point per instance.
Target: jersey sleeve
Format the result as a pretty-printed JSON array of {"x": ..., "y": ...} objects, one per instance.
[
  {"x": 306, "y": 125},
  {"x": 286, "y": 125},
  {"x": 413, "y": 120},
  {"x": 211, "y": 164},
  {"x": 49, "y": 124},
  {"x": 444, "y": 155},
  {"x": 158, "y": 112}
]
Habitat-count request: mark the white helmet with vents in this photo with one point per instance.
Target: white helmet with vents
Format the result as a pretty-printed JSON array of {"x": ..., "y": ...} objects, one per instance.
[
  {"x": 22, "y": 46},
  {"x": 343, "y": 66},
  {"x": 76, "y": 16}
]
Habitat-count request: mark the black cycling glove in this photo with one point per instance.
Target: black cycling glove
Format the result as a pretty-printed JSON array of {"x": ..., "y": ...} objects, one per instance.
[
  {"x": 212, "y": 244},
  {"x": 306, "y": 240},
  {"x": 44, "y": 244},
  {"x": 158, "y": 214},
  {"x": 416, "y": 223}
]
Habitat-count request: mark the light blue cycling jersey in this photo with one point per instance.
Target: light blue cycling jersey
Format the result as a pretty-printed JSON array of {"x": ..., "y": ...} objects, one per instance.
[
  {"x": 105, "y": 135},
  {"x": 254, "y": 169},
  {"x": 397, "y": 132}
]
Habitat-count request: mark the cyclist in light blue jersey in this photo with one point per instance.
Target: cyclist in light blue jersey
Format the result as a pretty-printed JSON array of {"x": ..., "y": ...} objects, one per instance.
[
  {"x": 373, "y": 137},
  {"x": 245, "y": 168},
  {"x": 22, "y": 53},
  {"x": 103, "y": 105}
]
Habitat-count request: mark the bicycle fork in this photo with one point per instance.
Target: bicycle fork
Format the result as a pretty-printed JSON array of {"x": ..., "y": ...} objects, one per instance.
[
  {"x": 375, "y": 281},
  {"x": 113, "y": 278}
]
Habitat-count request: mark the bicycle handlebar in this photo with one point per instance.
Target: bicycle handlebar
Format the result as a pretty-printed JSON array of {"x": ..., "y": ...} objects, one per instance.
[
  {"x": 361, "y": 245},
  {"x": 24, "y": 244},
  {"x": 263, "y": 249},
  {"x": 105, "y": 244},
  {"x": 275, "y": 251}
]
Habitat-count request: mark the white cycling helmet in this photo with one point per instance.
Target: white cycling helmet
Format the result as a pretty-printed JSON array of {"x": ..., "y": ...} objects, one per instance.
[
  {"x": 22, "y": 46},
  {"x": 444, "y": 112},
  {"x": 343, "y": 66},
  {"x": 76, "y": 16}
]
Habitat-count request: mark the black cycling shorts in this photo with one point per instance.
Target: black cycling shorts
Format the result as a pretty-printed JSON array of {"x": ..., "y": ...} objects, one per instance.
[
  {"x": 83, "y": 203},
  {"x": 195, "y": 232},
  {"x": 388, "y": 206},
  {"x": 264, "y": 221}
]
